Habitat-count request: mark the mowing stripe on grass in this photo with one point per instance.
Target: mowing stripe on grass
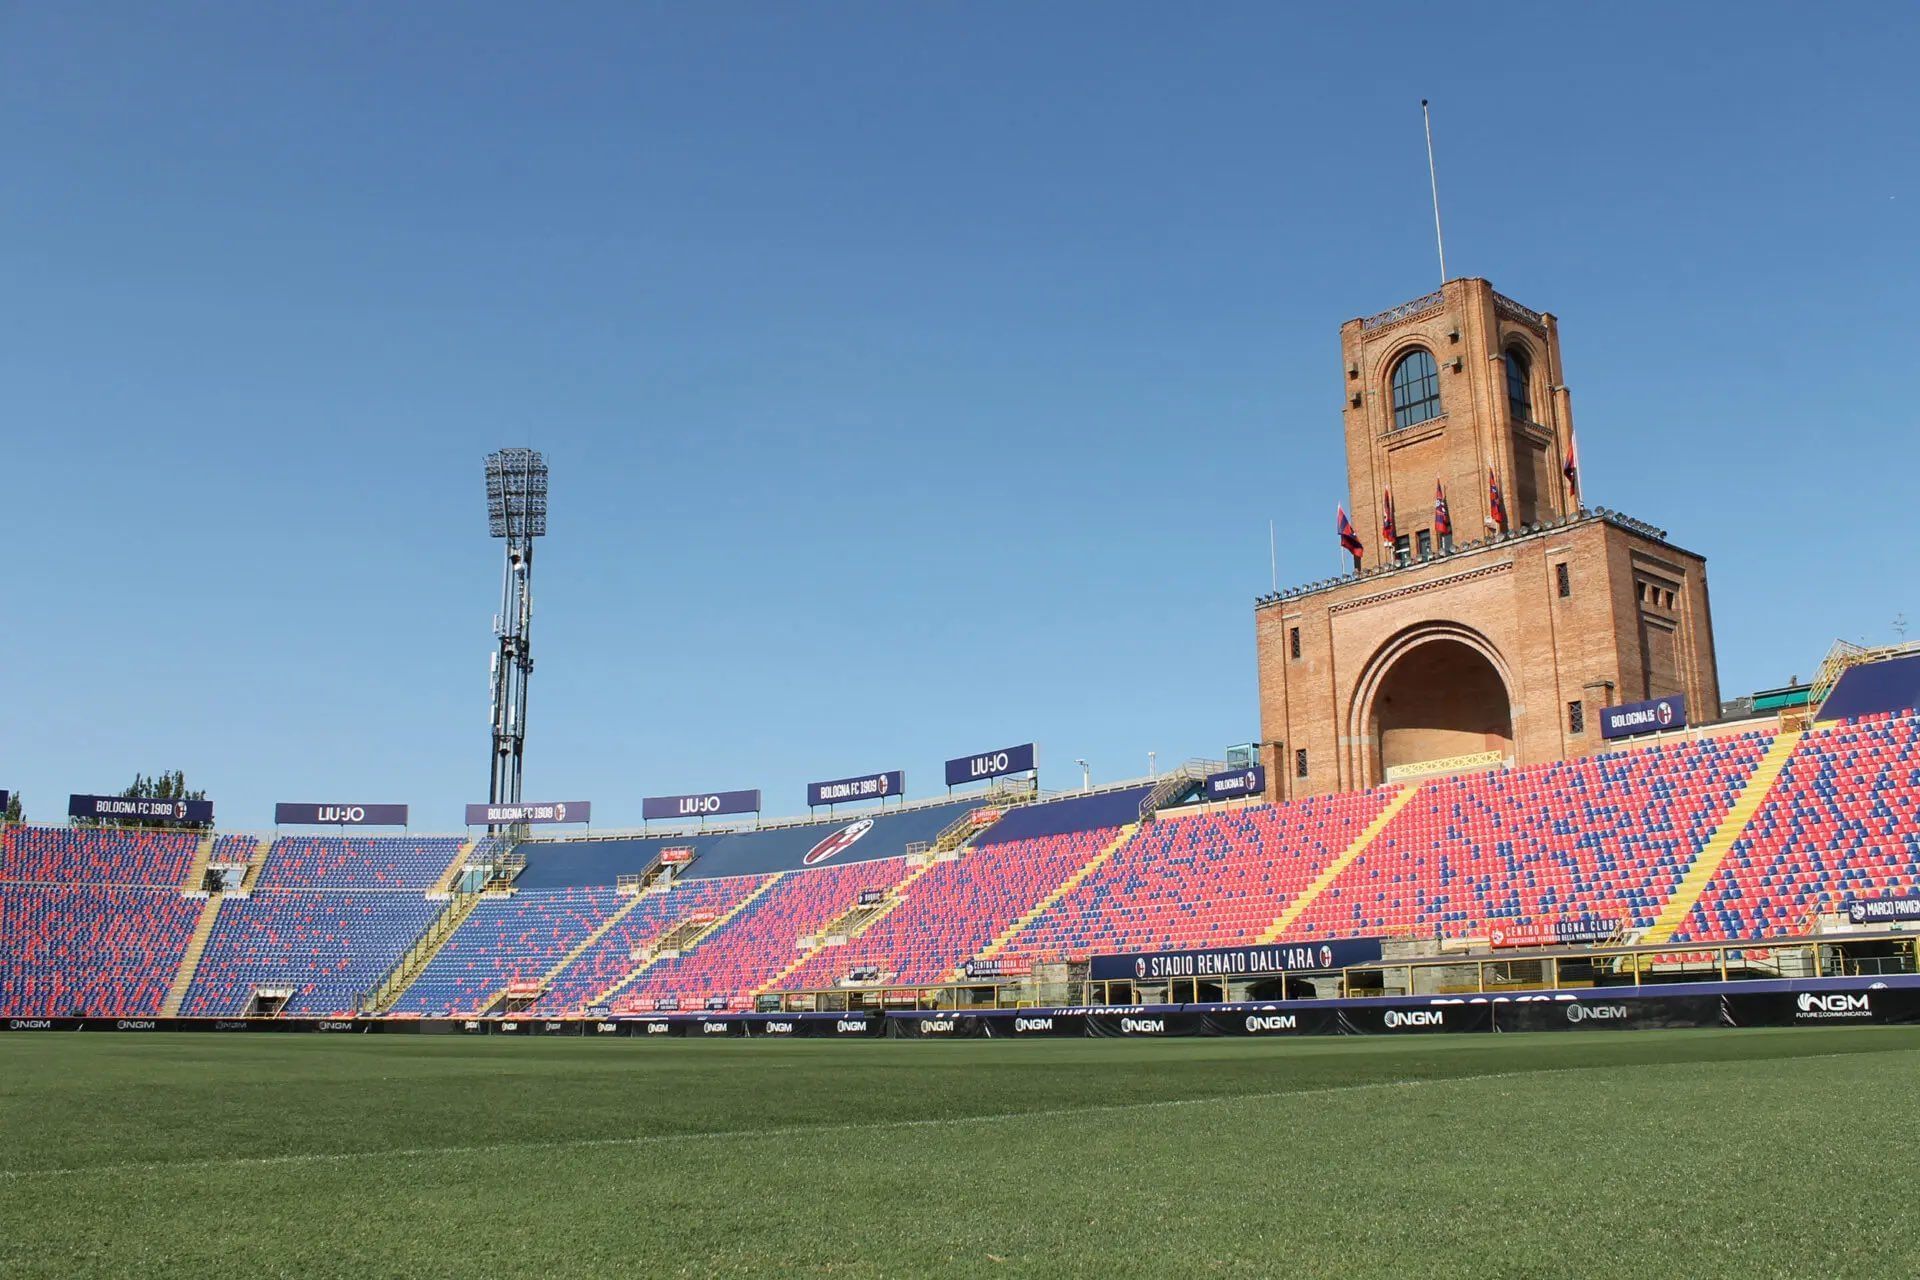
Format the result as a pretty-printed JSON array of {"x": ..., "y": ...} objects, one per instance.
[{"x": 794, "y": 1131}]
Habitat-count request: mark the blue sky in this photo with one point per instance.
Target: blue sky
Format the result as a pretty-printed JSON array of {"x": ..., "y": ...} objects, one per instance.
[{"x": 916, "y": 379}]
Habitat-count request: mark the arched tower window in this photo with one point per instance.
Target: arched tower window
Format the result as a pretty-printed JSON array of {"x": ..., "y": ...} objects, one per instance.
[
  {"x": 1416, "y": 388},
  {"x": 1519, "y": 385}
]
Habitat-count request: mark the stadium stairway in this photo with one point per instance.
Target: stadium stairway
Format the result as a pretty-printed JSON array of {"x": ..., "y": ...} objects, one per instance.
[
  {"x": 863, "y": 919},
  {"x": 256, "y": 862},
  {"x": 1060, "y": 890},
  {"x": 964, "y": 830},
  {"x": 687, "y": 939},
  {"x": 452, "y": 874},
  {"x": 197, "y": 870},
  {"x": 1305, "y": 898},
  {"x": 418, "y": 956},
  {"x": 1720, "y": 843},
  {"x": 196, "y": 945}
]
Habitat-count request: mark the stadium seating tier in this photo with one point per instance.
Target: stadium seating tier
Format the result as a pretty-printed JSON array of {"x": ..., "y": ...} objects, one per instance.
[
  {"x": 95, "y": 920},
  {"x": 1841, "y": 823}
]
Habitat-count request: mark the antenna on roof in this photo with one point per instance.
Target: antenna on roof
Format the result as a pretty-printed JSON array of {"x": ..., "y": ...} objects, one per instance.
[{"x": 1433, "y": 179}]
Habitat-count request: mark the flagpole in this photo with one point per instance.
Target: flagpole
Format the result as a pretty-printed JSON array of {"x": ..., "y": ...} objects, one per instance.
[
  {"x": 1273, "y": 557},
  {"x": 1433, "y": 180}
]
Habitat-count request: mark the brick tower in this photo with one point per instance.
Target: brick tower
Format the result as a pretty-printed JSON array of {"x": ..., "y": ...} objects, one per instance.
[{"x": 1501, "y": 641}]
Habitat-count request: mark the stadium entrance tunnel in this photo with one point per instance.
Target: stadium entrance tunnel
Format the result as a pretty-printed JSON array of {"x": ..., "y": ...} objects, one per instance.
[{"x": 1432, "y": 695}]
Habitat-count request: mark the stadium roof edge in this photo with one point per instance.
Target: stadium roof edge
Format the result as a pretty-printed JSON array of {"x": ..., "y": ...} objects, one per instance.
[{"x": 1008, "y": 798}]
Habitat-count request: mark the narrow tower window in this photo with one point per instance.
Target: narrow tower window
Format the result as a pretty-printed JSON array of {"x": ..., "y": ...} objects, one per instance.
[{"x": 1519, "y": 386}]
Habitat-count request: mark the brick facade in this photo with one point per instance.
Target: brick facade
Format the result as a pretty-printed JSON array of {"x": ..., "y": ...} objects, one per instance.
[{"x": 1484, "y": 648}]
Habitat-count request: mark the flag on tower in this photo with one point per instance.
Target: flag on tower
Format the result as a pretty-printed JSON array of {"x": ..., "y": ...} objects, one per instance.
[
  {"x": 1389, "y": 531},
  {"x": 1572, "y": 467},
  {"x": 1496, "y": 505},
  {"x": 1348, "y": 538},
  {"x": 1442, "y": 518}
]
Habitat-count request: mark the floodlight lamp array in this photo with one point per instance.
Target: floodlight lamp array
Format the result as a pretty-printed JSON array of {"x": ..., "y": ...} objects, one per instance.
[{"x": 516, "y": 493}]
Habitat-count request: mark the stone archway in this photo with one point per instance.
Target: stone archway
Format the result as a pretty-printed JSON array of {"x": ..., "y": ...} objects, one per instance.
[{"x": 1435, "y": 692}]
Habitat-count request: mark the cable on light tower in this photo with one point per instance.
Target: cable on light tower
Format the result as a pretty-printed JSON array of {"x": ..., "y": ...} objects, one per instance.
[{"x": 516, "y": 513}]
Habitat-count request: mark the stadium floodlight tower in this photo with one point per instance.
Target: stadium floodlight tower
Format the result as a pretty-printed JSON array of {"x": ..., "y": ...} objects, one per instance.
[{"x": 516, "y": 512}]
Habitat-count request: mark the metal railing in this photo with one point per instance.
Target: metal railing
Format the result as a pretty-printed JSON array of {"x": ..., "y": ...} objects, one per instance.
[
  {"x": 1405, "y": 311},
  {"x": 1178, "y": 779},
  {"x": 1845, "y": 654},
  {"x": 393, "y": 984},
  {"x": 1516, "y": 311},
  {"x": 1437, "y": 556}
]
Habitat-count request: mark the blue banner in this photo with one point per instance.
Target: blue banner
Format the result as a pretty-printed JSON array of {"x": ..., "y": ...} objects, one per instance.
[
  {"x": 122, "y": 809},
  {"x": 1236, "y": 962},
  {"x": 1883, "y": 910},
  {"x": 872, "y": 786},
  {"x": 1235, "y": 783},
  {"x": 339, "y": 815},
  {"x": 6, "y": 798},
  {"x": 709, "y": 805},
  {"x": 1656, "y": 715},
  {"x": 529, "y": 811},
  {"x": 991, "y": 764}
]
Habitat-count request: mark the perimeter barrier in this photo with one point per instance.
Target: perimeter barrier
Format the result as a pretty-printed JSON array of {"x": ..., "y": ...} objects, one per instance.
[{"x": 1891, "y": 1001}]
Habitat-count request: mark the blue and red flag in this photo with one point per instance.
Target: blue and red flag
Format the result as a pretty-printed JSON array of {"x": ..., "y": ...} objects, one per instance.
[
  {"x": 1442, "y": 518},
  {"x": 1496, "y": 505},
  {"x": 1389, "y": 530},
  {"x": 1348, "y": 538}
]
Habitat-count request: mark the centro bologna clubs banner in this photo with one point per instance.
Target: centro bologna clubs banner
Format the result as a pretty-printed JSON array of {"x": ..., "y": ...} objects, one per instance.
[
  {"x": 992, "y": 764},
  {"x": 1859, "y": 911},
  {"x": 1653, "y": 716},
  {"x": 339, "y": 815},
  {"x": 1235, "y": 783},
  {"x": 1236, "y": 962},
  {"x": 123, "y": 809},
  {"x": 495, "y": 815},
  {"x": 872, "y": 786},
  {"x": 1554, "y": 933},
  {"x": 712, "y": 804}
]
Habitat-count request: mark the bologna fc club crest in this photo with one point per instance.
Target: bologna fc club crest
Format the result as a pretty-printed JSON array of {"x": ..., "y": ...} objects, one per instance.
[{"x": 837, "y": 843}]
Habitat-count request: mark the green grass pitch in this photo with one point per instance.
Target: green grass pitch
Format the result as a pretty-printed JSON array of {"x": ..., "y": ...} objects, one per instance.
[{"x": 1692, "y": 1153}]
